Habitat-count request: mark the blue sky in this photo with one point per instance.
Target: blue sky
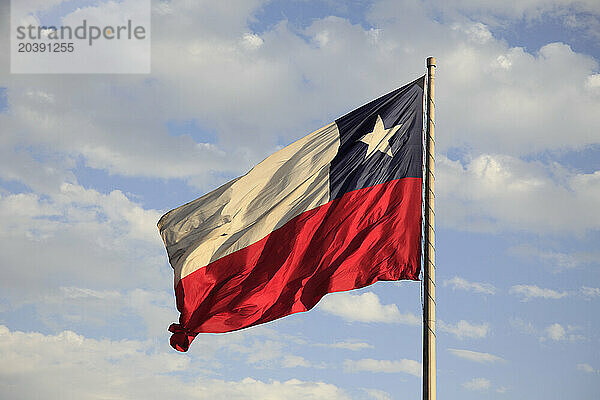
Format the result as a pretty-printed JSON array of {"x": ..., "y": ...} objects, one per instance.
[{"x": 88, "y": 163}]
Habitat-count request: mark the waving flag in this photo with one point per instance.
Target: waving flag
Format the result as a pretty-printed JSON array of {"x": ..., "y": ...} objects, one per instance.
[{"x": 336, "y": 210}]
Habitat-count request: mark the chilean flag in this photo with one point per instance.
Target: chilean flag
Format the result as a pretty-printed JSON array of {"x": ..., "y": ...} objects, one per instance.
[{"x": 336, "y": 210}]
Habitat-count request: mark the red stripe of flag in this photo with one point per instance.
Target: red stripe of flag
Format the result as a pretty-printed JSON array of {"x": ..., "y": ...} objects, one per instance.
[{"x": 367, "y": 235}]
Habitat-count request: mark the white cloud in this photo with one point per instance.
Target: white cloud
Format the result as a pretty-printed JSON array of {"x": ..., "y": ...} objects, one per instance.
[
  {"x": 557, "y": 333},
  {"x": 252, "y": 41},
  {"x": 388, "y": 366},
  {"x": 264, "y": 353},
  {"x": 480, "y": 195},
  {"x": 593, "y": 81},
  {"x": 365, "y": 307},
  {"x": 73, "y": 293},
  {"x": 476, "y": 32},
  {"x": 475, "y": 356},
  {"x": 140, "y": 223},
  {"x": 82, "y": 238},
  {"x": 559, "y": 261},
  {"x": 478, "y": 384},
  {"x": 528, "y": 292},
  {"x": 162, "y": 8},
  {"x": 463, "y": 284},
  {"x": 292, "y": 361},
  {"x": 465, "y": 330},
  {"x": 261, "y": 347},
  {"x": 150, "y": 311},
  {"x": 587, "y": 368},
  {"x": 68, "y": 365},
  {"x": 348, "y": 345},
  {"x": 77, "y": 205},
  {"x": 378, "y": 394},
  {"x": 590, "y": 292},
  {"x": 25, "y": 205}
]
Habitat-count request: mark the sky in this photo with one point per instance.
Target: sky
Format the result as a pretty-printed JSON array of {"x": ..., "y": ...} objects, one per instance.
[{"x": 88, "y": 164}]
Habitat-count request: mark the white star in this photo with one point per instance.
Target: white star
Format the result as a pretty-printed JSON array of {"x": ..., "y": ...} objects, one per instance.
[{"x": 379, "y": 138}]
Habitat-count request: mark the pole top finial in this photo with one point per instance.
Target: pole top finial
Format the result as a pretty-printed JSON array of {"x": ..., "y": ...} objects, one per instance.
[{"x": 431, "y": 61}]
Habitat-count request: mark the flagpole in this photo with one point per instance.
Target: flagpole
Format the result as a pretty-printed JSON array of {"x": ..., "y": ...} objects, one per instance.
[{"x": 429, "y": 244}]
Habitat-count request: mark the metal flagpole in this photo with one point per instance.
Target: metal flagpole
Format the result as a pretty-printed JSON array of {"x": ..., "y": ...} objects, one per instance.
[{"x": 429, "y": 244}]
